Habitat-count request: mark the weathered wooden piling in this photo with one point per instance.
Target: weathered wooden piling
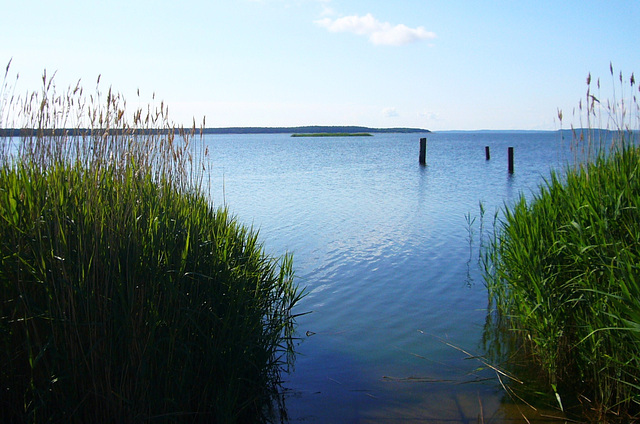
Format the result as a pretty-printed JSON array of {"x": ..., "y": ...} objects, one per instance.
[
  {"x": 510, "y": 160},
  {"x": 487, "y": 153},
  {"x": 423, "y": 151}
]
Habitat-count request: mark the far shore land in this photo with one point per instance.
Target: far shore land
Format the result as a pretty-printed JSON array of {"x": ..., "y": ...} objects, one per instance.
[
  {"x": 332, "y": 131},
  {"x": 324, "y": 134},
  {"x": 306, "y": 131}
]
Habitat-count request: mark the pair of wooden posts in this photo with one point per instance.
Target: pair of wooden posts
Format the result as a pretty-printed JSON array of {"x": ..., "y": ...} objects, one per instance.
[{"x": 487, "y": 152}]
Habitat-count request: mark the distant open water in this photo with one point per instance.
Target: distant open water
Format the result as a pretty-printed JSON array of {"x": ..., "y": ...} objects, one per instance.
[{"x": 382, "y": 246}]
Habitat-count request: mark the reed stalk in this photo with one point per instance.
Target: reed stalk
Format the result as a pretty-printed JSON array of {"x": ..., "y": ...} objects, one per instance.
[
  {"x": 125, "y": 296},
  {"x": 564, "y": 268}
]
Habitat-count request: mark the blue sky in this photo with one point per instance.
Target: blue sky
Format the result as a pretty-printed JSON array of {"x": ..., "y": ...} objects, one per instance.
[{"x": 440, "y": 65}]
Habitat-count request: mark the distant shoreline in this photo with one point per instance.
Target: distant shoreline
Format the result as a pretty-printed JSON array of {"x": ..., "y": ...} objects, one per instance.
[
  {"x": 330, "y": 131},
  {"x": 331, "y": 135},
  {"x": 312, "y": 129}
]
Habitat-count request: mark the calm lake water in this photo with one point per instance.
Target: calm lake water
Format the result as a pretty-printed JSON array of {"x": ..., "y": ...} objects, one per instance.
[{"x": 382, "y": 246}]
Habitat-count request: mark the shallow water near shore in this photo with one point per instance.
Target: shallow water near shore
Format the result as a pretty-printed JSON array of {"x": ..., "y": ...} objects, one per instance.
[{"x": 389, "y": 253}]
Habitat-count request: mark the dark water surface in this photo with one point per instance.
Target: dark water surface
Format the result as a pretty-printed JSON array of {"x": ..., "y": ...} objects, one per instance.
[{"x": 382, "y": 246}]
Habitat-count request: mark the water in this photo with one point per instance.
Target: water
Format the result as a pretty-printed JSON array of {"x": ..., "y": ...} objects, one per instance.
[{"x": 382, "y": 246}]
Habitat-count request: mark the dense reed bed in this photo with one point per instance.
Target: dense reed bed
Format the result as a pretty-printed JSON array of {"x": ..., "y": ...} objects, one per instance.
[
  {"x": 564, "y": 268},
  {"x": 125, "y": 296}
]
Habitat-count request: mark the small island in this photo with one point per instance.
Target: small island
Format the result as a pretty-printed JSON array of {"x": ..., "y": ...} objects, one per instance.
[{"x": 326, "y": 134}]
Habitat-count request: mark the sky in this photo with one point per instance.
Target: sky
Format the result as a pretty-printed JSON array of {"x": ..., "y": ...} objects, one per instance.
[{"x": 437, "y": 65}]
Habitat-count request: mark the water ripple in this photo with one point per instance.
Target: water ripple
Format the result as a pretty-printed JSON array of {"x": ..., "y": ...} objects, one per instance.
[{"x": 381, "y": 244}]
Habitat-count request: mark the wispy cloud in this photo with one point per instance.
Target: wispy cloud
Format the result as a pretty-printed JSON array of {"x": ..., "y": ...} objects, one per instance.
[
  {"x": 429, "y": 115},
  {"x": 326, "y": 10},
  {"x": 390, "y": 112},
  {"x": 379, "y": 33}
]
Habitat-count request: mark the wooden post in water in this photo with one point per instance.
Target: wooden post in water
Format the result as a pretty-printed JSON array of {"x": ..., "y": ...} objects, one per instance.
[
  {"x": 487, "y": 153},
  {"x": 423, "y": 151},
  {"x": 510, "y": 160}
]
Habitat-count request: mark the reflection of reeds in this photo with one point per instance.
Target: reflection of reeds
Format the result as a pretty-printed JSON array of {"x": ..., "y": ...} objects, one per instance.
[
  {"x": 125, "y": 296},
  {"x": 564, "y": 269}
]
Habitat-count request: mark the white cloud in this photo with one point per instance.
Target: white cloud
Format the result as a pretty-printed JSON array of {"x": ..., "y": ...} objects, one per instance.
[
  {"x": 431, "y": 116},
  {"x": 380, "y": 33},
  {"x": 326, "y": 10},
  {"x": 390, "y": 112}
]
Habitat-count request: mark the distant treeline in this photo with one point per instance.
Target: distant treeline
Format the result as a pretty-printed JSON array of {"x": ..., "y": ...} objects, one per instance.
[
  {"x": 310, "y": 129},
  {"x": 331, "y": 135},
  {"x": 48, "y": 132},
  {"x": 25, "y": 132}
]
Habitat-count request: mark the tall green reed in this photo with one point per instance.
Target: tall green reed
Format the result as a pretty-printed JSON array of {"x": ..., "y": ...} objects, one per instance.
[
  {"x": 125, "y": 296},
  {"x": 564, "y": 268}
]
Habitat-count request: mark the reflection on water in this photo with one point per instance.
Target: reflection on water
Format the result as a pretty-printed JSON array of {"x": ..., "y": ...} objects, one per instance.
[{"x": 382, "y": 245}]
